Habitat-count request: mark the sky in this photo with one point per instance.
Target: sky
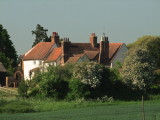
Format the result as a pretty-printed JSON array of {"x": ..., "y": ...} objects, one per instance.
[{"x": 123, "y": 21}]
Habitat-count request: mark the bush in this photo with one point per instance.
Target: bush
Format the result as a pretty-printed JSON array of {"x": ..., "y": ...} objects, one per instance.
[
  {"x": 78, "y": 90},
  {"x": 90, "y": 80},
  {"x": 105, "y": 99},
  {"x": 52, "y": 83},
  {"x": 23, "y": 88},
  {"x": 89, "y": 73}
]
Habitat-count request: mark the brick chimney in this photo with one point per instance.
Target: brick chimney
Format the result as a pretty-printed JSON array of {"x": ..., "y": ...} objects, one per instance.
[
  {"x": 55, "y": 38},
  {"x": 93, "y": 40},
  {"x": 66, "y": 53},
  {"x": 104, "y": 50}
]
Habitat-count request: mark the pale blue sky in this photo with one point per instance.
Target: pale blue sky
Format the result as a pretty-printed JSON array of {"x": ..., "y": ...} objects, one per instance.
[{"x": 121, "y": 20}]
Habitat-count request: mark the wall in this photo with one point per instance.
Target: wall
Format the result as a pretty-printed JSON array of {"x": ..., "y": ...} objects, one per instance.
[
  {"x": 29, "y": 65},
  {"x": 120, "y": 56}
]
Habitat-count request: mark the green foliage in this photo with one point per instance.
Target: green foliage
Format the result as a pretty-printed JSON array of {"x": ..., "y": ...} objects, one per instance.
[
  {"x": 138, "y": 70},
  {"x": 7, "y": 63},
  {"x": 151, "y": 43},
  {"x": 78, "y": 90},
  {"x": 74, "y": 82},
  {"x": 40, "y": 33},
  {"x": 89, "y": 73},
  {"x": 23, "y": 88},
  {"x": 52, "y": 83},
  {"x": 7, "y": 47},
  {"x": 106, "y": 99},
  {"x": 91, "y": 80}
]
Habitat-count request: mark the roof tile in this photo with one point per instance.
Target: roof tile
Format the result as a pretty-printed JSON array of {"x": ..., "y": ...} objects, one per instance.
[
  {"x": 39, "y": 51},
  {"x": 54, "y": 55}
]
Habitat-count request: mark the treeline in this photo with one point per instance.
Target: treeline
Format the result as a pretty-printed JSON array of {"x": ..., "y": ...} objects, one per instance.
[
  {"x": 88, "y": 80},
  {"x": 8, "y": 54}
]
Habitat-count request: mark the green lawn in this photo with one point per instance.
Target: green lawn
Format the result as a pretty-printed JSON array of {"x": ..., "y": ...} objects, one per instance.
[
  {"x": 119, "y": 111},
  {"x": 79, "y": 110}
]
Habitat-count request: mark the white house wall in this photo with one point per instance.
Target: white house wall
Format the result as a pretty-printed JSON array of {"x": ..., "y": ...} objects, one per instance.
[
  {"x": 120, "y": 55},
  {"x": 29, "y": 65}
]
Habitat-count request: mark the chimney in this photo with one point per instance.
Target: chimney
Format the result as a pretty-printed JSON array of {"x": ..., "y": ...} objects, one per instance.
[
  {"x": 104, "y": 50},
  {"x": 55, "y": 38},
  {"x": 65, "y": 45},
  {"x": 93, "y": 40}
]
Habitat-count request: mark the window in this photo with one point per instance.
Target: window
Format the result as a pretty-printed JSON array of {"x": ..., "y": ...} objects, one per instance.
[
  {"x": 40, "y": 62},
  {"x": 34, "y": 62}
]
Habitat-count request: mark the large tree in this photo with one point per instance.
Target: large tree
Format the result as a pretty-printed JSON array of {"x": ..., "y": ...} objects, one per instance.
[
  {"x": 41, "y": 34},
  {"x": 7, "y": 47},
  {"x": 151, "y": 43},
  {"x": 138, "y": 70}
]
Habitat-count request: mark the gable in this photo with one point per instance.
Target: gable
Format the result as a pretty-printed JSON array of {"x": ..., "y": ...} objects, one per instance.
[{"x": 113, "y": 48}]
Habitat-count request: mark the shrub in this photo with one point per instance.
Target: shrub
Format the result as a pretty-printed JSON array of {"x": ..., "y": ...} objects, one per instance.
[
  {"x": 89, "y": 73},
  {"x": 78, "y": 90},
  {"x": 23, "y": 88},
  {"x": 90, "y": 80},
  {"x": 52, "y": 83},
  {"x": 105, "y": 99}
]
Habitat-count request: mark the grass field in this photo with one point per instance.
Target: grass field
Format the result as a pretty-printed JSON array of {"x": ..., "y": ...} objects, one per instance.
[
  {"x": 119, "y": 111},
  {"x": 78, "y": 110}
]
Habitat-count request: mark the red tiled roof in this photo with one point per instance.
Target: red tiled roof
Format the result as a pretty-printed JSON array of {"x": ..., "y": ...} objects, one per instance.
[
  {"x": 43, "y": 51},
  {"x": 39, "y": 51},
  {"x": 54, "y": 55},
  {"x": 91, "y": 54},
  {"x": 113, "y": 48},
  {"x": 73, "y": 60},
  {"x": 78, "y": 55},
  {"x": 78, "y": 48}
]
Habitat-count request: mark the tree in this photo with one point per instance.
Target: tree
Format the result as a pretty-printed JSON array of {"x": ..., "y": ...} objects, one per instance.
[
  {"x": 7, "y": 47},
  {"x": 90, "y": 80},
  {"x": 7, "y": 64},
  {"x": 89, "y": 73},
  {"x": 40, "y": 33},
  {"x": 138, "y": 70},
  {"x": 151, "y": 43}
]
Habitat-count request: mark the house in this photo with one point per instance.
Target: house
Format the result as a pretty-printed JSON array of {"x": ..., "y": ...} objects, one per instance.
[
  {"x": 3, "y": 73},
  {"x": 59, "y": 52}
]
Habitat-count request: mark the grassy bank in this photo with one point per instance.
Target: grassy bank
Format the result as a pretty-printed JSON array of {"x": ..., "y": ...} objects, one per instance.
[
  {"x": 13, "y": 104},
  {"x": 49, "y": 109},
  {"x": 118, "y": 111}
]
